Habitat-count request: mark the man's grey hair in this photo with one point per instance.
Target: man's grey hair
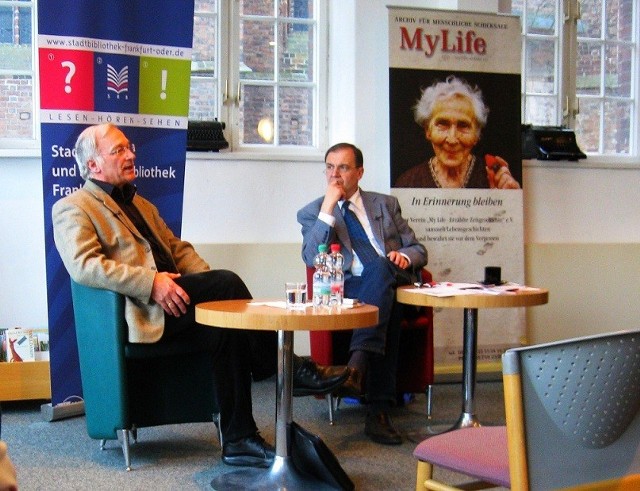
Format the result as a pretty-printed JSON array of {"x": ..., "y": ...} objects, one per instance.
[
  {"x": 86, "y": 148},
  {"x": 452, "y": 87}
]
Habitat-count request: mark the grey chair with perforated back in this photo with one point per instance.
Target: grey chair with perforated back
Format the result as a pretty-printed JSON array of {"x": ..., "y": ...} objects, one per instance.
[{"x": 573, "y": 421}]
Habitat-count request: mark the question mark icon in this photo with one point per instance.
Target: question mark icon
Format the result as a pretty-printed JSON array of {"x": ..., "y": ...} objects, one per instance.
[{"x": 67, "y": 80}]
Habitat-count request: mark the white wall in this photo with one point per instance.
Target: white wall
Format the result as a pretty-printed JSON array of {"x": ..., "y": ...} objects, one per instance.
[
  {"x": 583, "y": 203},
  {"x": 23, "y": 301},
  {"x": 254, "y": 202}
]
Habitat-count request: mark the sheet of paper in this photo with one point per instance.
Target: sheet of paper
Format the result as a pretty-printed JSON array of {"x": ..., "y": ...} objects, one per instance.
[
  {"x": 453, "y": 289},
  {"x": 283, "y": 305},
  {"x": 279, "y": 304}
]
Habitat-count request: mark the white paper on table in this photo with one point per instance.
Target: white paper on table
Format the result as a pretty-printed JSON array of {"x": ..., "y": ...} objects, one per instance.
[
  {"x": 441, "y": 291},
  {"x": 454, "y": 289},
  {"x": 281, "y": 304}
]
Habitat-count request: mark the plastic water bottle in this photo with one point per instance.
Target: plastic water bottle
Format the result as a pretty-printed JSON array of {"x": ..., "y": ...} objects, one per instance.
[
  {"x": 326, "y": 296},
  {"x": 321, "y": 278},
  {"x": 337, "y": 275}
]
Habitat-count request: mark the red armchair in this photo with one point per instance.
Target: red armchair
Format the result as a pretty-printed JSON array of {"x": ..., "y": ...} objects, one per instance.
[{"x": 415, "y": 367}]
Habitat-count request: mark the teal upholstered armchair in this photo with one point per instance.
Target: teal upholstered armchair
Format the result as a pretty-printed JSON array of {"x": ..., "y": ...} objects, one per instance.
[{"x": 127, "y": 386}]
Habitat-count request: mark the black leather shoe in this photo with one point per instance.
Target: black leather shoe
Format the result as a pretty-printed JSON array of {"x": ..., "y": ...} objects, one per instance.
[
  {"x": 352, "y": 387},
  {"x": 311, "y": 379},
  {"x": 252, "y": 451},
  {"x": 380, "y": 429},
  {"x": 328, "y": 371}
]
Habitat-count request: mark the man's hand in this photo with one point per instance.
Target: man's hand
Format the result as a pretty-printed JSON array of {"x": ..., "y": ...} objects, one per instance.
[
  {"x": 169, "y": 295},
  {"x": 334, "y": 193},
  {"x": 398, "y": 259}
]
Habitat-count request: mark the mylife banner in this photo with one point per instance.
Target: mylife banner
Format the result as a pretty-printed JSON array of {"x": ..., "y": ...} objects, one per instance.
[
  {"x": 456, "y": 164},
  {"x": 126, "y": 62}
]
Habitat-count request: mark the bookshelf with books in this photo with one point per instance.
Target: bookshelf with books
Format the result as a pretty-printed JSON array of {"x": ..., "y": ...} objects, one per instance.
[{"x": 24, "y": 364}]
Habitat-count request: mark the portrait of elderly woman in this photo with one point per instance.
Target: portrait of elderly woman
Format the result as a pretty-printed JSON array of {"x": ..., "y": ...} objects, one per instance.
[{"x": 453, "y": 115}]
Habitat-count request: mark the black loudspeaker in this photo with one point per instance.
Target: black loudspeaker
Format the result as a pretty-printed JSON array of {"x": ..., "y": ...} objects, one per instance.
[
  {"x": 550, "y": 143},
  {"x": 206, "y": 136}
]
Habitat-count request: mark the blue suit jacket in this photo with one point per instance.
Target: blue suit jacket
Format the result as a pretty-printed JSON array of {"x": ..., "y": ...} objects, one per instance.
[{"x": 385, "y": 216}]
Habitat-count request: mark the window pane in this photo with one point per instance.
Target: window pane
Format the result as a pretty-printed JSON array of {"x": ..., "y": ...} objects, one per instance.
[
  {"x": 617, "y": 121},
  {"x": 209, "y": 6},
  {"x": 203, "y": 100},
  {"x": 205, "y": 89},
  {"x": 618, "y": 71},
  {"x": 16, "y": 106},
  {"x": 257, "y": 7},
  {"x": 619, "y": 19},
  {"x": 540, "y": 66},
  {"x": 541, "y": 17},
  {"x": 257, "y": 48},
  {"x": 256, "y": 113},
  {"x": 588, "y": 126},
  {"x": 296, "y": 116},
  {"x": 15, "y": 38},
  {"x": 541, "y": 111},
  {"x": 277, "y": 72},
  {"x": 205, "y": 38},
  {"x": 299, "y": 9},
  {"x": 517, "y": 7},
  {"x": 590, "y": 22},
  {"x": 296, "y": 53},
  {"x": 588, "y": 68}
]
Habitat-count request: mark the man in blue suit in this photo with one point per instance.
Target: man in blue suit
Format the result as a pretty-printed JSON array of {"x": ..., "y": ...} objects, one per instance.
[{"x": 397, "y": 258}]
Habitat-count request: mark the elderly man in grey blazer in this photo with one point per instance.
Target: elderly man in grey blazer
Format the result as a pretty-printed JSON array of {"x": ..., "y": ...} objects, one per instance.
[
  {"x": 391, "y": 257},
  {"x": 110, "y": 237}
]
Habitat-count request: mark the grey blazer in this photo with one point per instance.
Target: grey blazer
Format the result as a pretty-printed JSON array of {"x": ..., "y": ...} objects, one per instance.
[
  {"x": 100, "y": 247},
  {"x": 385, "y": 216}
]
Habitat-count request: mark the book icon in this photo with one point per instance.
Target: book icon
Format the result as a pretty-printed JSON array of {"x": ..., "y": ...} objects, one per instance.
[{"x": 118, "y": 81}]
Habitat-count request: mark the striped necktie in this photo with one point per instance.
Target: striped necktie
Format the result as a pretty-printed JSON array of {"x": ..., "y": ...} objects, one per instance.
[{"x": 359, "y": 241}]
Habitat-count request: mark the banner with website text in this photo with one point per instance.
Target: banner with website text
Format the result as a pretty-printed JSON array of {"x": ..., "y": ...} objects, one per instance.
[
  {"x": 117, "y": 62},
  {"x": 456, "y": 166}
]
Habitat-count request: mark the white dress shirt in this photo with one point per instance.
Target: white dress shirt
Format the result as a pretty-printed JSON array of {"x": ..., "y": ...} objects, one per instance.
[{"x": 358, "y": 208}]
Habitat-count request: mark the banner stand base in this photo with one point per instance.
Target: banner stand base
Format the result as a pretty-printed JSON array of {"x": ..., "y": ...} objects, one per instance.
[{"x": 62, "y": 410}]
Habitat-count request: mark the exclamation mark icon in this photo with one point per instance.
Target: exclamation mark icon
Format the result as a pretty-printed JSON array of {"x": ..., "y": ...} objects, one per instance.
[{"x": 163, "y": 94}]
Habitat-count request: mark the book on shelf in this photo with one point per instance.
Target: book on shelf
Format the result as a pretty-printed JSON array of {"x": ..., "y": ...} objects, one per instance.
[{"x": 18, "y": 345}]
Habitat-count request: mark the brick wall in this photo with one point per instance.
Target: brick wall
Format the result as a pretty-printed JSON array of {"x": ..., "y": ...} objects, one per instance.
[{"x": 16, "y": 106}]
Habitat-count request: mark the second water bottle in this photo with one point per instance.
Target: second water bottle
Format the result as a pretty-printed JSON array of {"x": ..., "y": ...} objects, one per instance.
[
  {"x": 336, "y": 260},
  {"x": 321, "y": 277}
]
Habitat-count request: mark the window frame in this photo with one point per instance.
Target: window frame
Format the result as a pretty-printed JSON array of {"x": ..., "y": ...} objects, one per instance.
[
  {"x": 229, "y": 82},
  {"x": 566, "y": 37}
]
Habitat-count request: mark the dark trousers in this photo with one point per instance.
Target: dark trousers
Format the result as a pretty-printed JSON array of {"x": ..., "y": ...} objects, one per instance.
[
  {"x": 377, "y": 286},
  {"x": 237, "y": 354}
]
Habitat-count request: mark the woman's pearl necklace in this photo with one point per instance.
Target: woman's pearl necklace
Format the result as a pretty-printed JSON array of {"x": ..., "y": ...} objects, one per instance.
[{"x": 467, "y": 176}]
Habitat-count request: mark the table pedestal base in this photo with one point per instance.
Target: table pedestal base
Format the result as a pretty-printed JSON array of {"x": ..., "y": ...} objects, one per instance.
[
  {"x": 281, "y": 475},
  {"x": 466, "y": 420},
  {"x": 467, "y": 417}
]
